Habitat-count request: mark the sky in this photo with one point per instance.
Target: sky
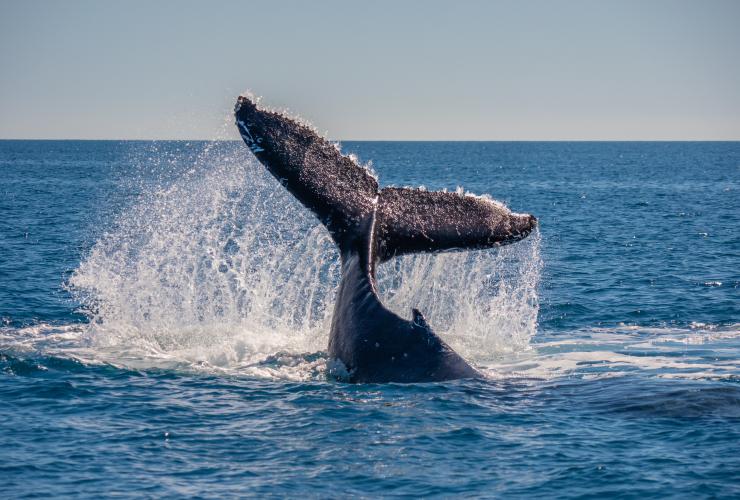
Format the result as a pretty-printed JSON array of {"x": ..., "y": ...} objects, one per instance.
[{"x": 373, "y": 70}]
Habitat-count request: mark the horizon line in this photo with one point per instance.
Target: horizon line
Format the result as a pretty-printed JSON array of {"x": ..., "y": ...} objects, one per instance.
[{"x": 8, "y": 139}]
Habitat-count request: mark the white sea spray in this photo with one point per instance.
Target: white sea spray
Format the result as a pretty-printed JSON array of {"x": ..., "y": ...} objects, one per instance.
[{"x": 221, "y": 266}]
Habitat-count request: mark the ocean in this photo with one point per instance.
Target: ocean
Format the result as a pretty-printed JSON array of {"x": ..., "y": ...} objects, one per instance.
[{"x": 165, "y": 307}]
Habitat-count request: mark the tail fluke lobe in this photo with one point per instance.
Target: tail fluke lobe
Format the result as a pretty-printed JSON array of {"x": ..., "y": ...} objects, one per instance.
[
  {"x": 338, "y": 190},
  {"x": 413, "y": 220}
]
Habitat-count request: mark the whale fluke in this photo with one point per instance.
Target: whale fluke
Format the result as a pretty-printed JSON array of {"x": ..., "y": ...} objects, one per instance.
[
  {"x": 342, "y": 193},
  {"x": 371, "y": 226}
]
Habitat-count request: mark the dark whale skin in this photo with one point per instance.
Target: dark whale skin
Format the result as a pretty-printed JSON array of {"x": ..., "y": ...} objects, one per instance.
[
  {"x": 376, "y": 345},
  {"x": 370, "y": 226}
]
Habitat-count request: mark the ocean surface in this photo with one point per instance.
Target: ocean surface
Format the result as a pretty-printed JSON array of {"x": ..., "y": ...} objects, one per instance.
[{"x": 164, "y": 309}]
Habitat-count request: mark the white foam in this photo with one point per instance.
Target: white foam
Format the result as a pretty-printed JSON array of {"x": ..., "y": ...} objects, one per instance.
[
  {"x": 593, "y": 353},
  {"x": 614, "y": 352}
]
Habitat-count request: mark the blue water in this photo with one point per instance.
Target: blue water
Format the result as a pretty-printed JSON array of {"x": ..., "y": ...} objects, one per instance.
[{"x": 164, "y": 309}]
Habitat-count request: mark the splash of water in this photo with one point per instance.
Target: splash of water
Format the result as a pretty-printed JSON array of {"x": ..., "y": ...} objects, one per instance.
[
  {"x": 483, "y": 303},
  {"x": 218, "y": 264}
]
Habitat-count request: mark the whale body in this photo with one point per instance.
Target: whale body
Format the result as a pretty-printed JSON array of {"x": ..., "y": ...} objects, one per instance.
[{"x": 370, "y": 226}]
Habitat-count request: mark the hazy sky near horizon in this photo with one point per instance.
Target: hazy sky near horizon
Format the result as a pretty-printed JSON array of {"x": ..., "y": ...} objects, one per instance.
[{"x": 399, "y": 70}]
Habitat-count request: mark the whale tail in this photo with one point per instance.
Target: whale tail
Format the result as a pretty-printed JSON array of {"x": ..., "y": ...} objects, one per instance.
[{"x": 343, "y": 194}]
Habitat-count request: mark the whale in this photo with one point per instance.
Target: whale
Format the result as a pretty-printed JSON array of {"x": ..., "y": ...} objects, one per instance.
[{"x": 367, "y": 342}]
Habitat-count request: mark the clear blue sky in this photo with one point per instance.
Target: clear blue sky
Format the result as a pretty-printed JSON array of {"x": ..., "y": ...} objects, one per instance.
[{"x": 373, "y": 69}]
